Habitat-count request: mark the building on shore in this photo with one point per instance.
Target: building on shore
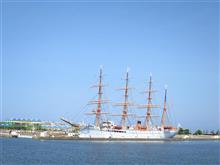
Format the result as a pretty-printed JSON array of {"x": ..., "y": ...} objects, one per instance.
[{"x": 32, "y": 124}]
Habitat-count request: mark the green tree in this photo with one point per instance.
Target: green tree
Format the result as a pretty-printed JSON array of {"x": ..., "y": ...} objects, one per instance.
[
  {"x": 198, "y": 132},
  {"x": 212, "y": 132},
  {"x": 187, "y": 132},
  {"x": 183, "y": 131}
]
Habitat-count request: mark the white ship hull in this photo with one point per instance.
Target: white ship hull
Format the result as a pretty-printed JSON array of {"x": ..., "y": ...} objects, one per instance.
[{"x": 96, "y": 133}]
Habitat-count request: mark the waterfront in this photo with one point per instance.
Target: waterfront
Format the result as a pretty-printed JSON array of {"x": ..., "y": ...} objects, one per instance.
[{"x": 48, "y": 152}]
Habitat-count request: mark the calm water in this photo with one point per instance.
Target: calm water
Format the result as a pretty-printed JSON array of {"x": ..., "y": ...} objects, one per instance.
[{"x": 28, "y": 152}]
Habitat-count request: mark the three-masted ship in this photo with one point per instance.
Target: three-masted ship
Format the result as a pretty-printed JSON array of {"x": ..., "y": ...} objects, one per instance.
[{"x": 106, "y": 129}]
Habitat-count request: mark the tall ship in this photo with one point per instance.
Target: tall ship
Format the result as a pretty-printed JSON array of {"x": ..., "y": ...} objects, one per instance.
[{"x": 143, "y": 128}]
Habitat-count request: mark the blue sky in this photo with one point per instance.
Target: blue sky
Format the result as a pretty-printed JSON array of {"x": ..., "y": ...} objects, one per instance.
[{"x": 52, "y": 53}]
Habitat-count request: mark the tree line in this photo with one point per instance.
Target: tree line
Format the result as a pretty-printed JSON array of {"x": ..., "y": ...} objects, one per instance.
[{"x": 185, "y": 131}]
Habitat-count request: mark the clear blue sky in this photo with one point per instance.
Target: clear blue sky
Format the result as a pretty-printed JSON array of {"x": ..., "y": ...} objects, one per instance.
[{"x": 52, "y": 53}]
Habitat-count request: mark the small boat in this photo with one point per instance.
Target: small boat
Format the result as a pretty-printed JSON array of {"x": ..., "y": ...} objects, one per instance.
[
  {"x": 14, "y": 134},
  {"x": 25, "y": 136}
]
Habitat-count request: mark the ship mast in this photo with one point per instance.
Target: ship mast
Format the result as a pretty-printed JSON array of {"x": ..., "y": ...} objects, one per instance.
[
  {"x": 125, "y": 104},
  {"x": 164, "y": 110},
  {"x": 149, "y": 104},
  {"x": 98, "y": 111},
  {"x": 148, "y": 116}
]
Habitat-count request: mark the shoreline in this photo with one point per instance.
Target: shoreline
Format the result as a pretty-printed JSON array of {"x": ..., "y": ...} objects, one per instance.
[{"x": 61, "y": 135}]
